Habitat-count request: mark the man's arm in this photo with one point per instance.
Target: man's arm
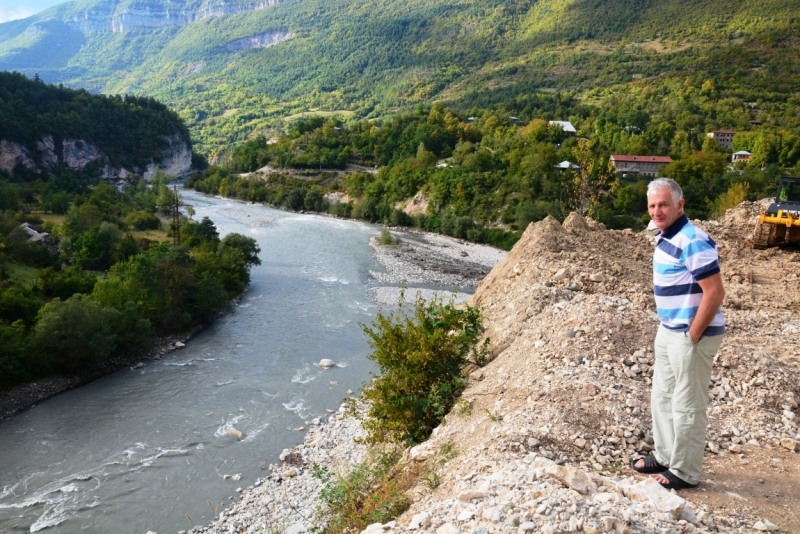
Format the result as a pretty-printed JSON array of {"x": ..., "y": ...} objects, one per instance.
[{"x": 713, "y": 294}]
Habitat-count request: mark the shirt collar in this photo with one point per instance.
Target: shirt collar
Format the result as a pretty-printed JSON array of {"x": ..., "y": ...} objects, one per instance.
[{"x": 679, "y": 223}]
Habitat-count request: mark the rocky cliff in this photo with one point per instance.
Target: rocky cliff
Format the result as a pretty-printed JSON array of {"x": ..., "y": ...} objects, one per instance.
[
  {"x": 258, "y": 41},
  {"x": 75, "y": 154},
  {"x": 155, "y": 14}
]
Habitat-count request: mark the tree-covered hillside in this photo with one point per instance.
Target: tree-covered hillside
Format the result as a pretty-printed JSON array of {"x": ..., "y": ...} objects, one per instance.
[
  {"x": 87, "y": 273},
  {"x": 129, "y": 130},
  {"x": 376, "y": 57}
]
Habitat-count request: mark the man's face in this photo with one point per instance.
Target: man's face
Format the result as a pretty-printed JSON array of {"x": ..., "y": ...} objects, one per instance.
[{"x": 663, "y": 209}]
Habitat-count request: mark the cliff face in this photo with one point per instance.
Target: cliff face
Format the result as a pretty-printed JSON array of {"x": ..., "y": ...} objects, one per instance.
[
  {"x": 76, "y": 154},
  {"x": 155, "y": 14},
  {"x": 258, "y": 41}
]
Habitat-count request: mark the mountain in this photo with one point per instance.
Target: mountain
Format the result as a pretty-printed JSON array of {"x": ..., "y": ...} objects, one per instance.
[{"x": 237, "y": 67}]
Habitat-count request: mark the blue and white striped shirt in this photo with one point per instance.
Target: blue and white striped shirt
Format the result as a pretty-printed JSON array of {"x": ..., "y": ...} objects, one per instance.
[{"x": 684, "y": 255}]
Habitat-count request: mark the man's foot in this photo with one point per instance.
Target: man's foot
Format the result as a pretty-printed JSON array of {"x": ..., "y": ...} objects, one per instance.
[
  {"x": 670, "y": 480},
  {"x": 647, "y": 465}
]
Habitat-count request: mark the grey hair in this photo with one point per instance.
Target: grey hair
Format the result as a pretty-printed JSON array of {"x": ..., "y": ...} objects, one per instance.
[{"x": 665, "y": 183}]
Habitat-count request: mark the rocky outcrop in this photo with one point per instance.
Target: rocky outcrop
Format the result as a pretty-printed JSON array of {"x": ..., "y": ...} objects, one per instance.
[
  {"x": 263, "y": 40},
  {"x": 155, "y": 14},
  {"x": 13, "y": 154},
  {"x": 76, "y": 154},
  {"x": 176, "y": 159}
]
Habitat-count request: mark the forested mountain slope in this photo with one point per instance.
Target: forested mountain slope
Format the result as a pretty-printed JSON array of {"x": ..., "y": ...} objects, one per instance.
[
  {"x": 47, "y": 129},
  {"x": 239, "y": 67}
]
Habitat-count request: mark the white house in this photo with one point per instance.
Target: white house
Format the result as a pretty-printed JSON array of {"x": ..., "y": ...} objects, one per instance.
[{"x": 567, "y": 165}]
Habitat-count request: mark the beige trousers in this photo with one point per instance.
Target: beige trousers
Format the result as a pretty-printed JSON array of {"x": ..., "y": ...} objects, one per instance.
[{"x": 679, "y": 400}]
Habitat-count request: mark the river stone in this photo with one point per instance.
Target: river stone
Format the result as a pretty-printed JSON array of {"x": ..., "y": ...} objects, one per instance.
[
  {"x": 419, "y": 520},
  {"x": 789, "y": 443},
  {"x": 325, "y": 362},
  {"x": 374, "y": 528},
  {"x": 448, "y": 528},
  {"x": 179, "y": 345},
  {"x": 297, "y": 528},
  {"x": 235, "y": 433},
  {"x": 651, "y": 492},
  {"x": 572, "y": 477},
  {"x": 467, "y": 496}
]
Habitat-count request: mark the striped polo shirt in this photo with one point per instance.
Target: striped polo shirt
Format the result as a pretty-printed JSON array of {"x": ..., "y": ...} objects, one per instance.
[{"x": 684, "y": 255}]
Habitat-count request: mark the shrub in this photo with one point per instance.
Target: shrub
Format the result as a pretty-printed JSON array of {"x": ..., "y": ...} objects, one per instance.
[
  {"x": 421, "y": 357},
  {"x": 73, "y": 334},
  {"x": 143, "y": 220},
  {"x": 373, "y": 492}
]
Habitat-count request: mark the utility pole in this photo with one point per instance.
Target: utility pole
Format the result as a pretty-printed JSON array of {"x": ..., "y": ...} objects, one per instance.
[{"x": 175, "y": 211}]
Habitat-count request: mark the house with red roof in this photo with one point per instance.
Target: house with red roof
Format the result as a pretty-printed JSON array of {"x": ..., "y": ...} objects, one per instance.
[{"x": 647, "y": 165}]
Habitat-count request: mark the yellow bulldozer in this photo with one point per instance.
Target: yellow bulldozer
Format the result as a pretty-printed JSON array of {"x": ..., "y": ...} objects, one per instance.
[{"x": 781, "y": 222}]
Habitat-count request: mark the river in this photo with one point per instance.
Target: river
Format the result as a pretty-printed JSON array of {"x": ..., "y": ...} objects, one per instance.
[{"x": 146, "y": 449}]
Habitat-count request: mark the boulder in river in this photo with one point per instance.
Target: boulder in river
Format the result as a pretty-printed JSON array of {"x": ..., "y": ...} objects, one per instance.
[
  {"x": 325, "y": 362},
  {"x": 235, "y": 433},
  {"x": 179, "y": 345}
]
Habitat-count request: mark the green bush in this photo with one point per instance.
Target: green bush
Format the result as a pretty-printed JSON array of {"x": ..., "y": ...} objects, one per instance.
[
  {"x": 373, "y": 492},
  {"x": 143, "y": 220},
  {"x": 421, "y": 357},
  {"x": 64, "y": 284},
  {"x": 73, "y": 334}
]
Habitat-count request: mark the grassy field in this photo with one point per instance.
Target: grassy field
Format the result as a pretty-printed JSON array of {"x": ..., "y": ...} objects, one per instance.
[
  {"x": 21, "y": 274},
  {"x": 51, "y": 217},
  {"x": 152, "y": 235}
]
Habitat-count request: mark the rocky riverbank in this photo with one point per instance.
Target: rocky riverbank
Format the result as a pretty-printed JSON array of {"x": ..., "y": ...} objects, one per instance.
[
  {"x": 28, "y": 395},
  {"x": 543, "y": 438},
  {"x": 286, "y": 499},
  {"x": 426, "y": 258}
]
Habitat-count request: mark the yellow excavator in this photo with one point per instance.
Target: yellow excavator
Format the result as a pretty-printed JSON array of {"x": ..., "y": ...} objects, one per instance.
[{"x": 781, "y": 222}]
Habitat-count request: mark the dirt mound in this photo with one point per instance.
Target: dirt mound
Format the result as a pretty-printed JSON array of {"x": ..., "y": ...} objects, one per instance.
[{"x": 571, "y": 318}]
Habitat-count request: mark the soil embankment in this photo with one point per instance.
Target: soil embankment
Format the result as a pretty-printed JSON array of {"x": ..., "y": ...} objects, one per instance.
[{"x": 546, "y": 431}]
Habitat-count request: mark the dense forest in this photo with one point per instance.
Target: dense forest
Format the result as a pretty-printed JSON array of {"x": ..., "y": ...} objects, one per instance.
[
  {"x": 89, "y": 272},
  {"x": 129, "y": 130},
  {"x": 484, "y": 174}
]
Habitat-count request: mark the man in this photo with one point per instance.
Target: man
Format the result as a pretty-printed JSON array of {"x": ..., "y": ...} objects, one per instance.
[{"x": 688, "y": 292}]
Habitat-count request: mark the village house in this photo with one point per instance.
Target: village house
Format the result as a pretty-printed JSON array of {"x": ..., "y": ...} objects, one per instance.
[
  {"x": 742, "y": 155},
  {"x": 564, "y": 125},
  {"x": 724, "y": 138},
  {"x": 567, "y": 165},
  {"x": 647, "y": 165}
]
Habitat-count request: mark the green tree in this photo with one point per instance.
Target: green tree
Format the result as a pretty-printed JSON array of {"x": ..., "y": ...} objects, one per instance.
[
  {"x": 421, "y": 358},
  {"x": 73, "y": 335}
]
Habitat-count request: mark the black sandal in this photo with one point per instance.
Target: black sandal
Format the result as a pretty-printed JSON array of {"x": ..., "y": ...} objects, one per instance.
[
  {"x": 650, "y": 467},
  {"x": 675, "y": 482}
]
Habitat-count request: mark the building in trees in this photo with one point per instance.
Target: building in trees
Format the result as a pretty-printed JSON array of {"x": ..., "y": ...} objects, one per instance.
[
  {"x": 724, "y": 138},
  {"x": 646, "y": 165},
  {"x": 564, "y": 125},
  {"x": 742, "y": 155}
]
